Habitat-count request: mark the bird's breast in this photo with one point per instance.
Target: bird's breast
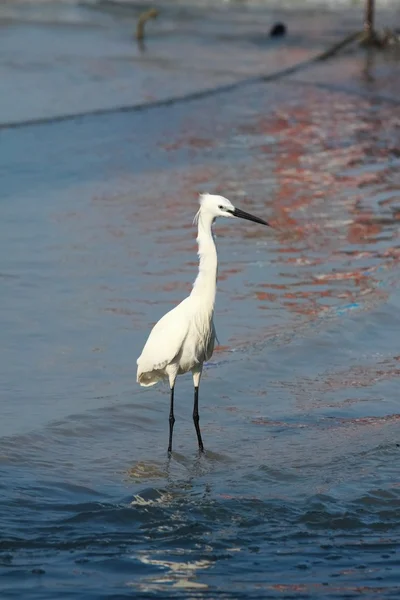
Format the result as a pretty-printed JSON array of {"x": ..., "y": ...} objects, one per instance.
[{"x": 199, "y": 344}]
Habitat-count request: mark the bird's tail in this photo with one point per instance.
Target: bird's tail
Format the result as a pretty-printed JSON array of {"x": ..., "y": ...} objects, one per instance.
[{"x": 149, "y": 378}]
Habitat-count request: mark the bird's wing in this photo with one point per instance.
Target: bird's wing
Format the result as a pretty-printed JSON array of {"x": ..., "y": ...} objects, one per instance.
[{"x": 165, "y": 340}]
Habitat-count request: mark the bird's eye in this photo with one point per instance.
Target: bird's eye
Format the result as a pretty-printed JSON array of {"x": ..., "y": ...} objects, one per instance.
[{"x": 221, "y": 207}]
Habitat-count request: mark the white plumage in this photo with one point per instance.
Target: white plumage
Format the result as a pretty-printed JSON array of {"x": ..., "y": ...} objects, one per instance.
[{"x": 184, "y": 338}]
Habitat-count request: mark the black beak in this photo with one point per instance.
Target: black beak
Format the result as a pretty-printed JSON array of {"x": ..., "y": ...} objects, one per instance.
[{"x": 244, "y": 215}]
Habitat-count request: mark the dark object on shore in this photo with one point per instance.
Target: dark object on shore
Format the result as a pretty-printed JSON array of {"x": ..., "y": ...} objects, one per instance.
[
  {"x": 368, "y": 37},
  {"x": 143, "y": 18},
  {"x": 278, "y": 29},
  {"x": 369, "y": 18}
]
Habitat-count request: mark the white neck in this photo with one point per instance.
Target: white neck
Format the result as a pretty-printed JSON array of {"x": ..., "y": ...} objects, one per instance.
[{"x": 206, "y": 281}]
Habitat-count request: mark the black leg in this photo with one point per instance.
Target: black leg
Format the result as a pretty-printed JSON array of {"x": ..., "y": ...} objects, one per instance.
[
  {"x": 196, "y": 418},
  {"x": 171, "y": 420}
]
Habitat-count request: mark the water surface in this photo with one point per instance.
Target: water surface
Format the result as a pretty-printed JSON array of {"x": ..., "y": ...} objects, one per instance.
[{"x": 297, "y": 495}]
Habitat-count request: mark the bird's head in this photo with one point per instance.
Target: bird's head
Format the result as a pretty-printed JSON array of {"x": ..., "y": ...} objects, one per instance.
[{"x": 217, "y": 206}]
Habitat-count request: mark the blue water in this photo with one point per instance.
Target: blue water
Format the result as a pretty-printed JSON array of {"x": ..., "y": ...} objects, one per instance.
[{"x": 298, "y": 493}]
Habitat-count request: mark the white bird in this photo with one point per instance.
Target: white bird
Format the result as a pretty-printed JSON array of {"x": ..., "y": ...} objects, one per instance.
[{"x": 183, "y": 339}]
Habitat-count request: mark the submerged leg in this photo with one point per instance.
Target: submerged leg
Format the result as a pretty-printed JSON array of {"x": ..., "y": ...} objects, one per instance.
[
  {"x": 171, "y": 420},
  {"x": 196, "y": 418}
]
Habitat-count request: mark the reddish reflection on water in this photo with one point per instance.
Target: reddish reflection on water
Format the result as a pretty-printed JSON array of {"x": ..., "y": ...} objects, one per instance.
[{"x": 324, "y": 172}]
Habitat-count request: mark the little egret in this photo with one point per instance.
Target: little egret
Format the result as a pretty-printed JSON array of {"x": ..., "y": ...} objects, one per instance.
[{"x": 183, "y": 339}]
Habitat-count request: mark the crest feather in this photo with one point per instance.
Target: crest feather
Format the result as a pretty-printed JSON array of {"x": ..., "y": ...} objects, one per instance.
[{"x": 196, "y": 217}]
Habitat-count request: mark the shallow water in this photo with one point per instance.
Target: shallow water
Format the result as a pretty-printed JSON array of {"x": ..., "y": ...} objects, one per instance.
[
  {"x": 298, "y": 493},
  {"x": 69, "y": 58}
]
